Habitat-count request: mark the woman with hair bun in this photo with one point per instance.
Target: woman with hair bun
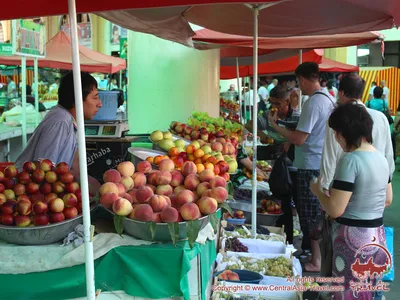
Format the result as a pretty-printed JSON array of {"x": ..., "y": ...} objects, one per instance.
[{"x": 360, "y": 192}]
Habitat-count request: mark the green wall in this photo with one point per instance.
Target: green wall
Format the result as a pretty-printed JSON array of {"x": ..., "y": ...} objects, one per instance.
[{"x": 167, "y": 81}]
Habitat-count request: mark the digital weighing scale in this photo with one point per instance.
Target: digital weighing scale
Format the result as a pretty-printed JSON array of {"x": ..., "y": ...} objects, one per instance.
[{"x": 106, "y": 129}]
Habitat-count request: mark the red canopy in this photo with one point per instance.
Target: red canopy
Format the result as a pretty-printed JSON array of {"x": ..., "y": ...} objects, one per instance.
[
  {"x": 169, "y": 19},
  {"x": 289, "y": 65},
  {"x": 59, "y": 56}
]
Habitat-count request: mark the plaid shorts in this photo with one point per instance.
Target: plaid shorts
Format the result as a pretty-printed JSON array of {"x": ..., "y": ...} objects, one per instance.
[{"x": 308, "y": 206}]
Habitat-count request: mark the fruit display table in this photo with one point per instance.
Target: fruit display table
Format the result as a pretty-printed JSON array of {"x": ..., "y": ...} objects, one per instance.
[
  {"x": 11, "y": 141},
  {"x": 150, "y": 271}
]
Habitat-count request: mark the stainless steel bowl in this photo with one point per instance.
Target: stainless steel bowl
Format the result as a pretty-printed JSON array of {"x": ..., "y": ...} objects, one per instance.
[
  {"x": 245, "y": 206},
  {"x": 141, "y": 230},
  {"x": 140, "y": 154},
  {"x": 40, "y": 235}
]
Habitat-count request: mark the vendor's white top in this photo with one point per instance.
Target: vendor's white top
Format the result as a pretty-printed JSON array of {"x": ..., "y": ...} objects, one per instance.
[
  {"x": 12, "y": 89},
  {"x": 332, "y": 152},
  {"x": 386, "y": 94},
  {"x": 263, "y": 92},
  {"x": 248, "y": 98},
  {"x": 55, "y": 138}
]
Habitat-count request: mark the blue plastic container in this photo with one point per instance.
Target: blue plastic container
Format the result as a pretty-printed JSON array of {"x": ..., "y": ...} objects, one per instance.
[
  {"x": 244, "y": 276},
  {"x": 233, "y": 221},
  {"x": 109, "y": 102}
]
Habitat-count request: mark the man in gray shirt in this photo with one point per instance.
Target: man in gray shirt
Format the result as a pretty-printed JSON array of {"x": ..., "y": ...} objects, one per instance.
[
  {"x": 56, "y": 136},
  {"x": 309, "y": 140}
]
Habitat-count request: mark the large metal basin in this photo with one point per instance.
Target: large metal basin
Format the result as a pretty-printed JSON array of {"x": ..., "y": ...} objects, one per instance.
[{"x": 245, "y": 206}]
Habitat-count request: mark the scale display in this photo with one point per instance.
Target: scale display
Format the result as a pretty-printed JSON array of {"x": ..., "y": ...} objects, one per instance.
[
  {"x": 92, "y": 130},
  {"x": 109, "y": 130},
  {"x": 114, "y": 129}
]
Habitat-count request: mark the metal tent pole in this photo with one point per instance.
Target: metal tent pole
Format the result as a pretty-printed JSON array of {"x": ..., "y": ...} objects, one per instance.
[
  {"x": 23, "y": 97},
  {"x": 89, "y": 263},
  {"x": 36, "y": 81},
  {"x": 239, "y": 91},
  {"x": 300, "y": 94}
]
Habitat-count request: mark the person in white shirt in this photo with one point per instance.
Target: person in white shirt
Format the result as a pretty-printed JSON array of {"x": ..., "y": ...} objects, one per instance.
[
  {"x": 273, "y": 84},
  {"x": 262, "y": 91},
  {"x": 249, "y": 100},
  {"x": 371, "y": 91},
  {"x": 11, "y": 88},
  {"x": 55, "y": 85},
  {"x": 323, "y": 84},
  {"x": 351, "y": 89},
  {"x": 386, "y": 91}
]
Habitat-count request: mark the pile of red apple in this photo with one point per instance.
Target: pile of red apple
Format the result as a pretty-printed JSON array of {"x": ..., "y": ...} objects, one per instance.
[
  {"x": 269, "y": 207},
  {"x": 229, "y": 104},
  {"x": 41, "y": 194},
  {"x": 162, "y": 196}
]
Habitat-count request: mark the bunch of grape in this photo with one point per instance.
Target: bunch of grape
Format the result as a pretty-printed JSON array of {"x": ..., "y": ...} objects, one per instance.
[{"x": 235, "y": 245}]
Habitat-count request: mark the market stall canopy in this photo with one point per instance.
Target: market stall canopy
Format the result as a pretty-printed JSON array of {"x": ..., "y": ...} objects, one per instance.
[
  {"x": 288, "y": 66},
  {"x": 59, "y": 56},
  {"x": 170, "y": 19}
]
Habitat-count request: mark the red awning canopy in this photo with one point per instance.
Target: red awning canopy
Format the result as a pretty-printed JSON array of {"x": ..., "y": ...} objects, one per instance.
[
  {"x": 59, "y": 56},
  {"x": 288, "y": 65},
  {"x": 169, "y": 19}
]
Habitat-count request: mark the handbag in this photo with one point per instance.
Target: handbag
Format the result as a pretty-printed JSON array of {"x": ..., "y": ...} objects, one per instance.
[
  {"x": 326, "y": 247},
  {"x": 389, "y": 232}
]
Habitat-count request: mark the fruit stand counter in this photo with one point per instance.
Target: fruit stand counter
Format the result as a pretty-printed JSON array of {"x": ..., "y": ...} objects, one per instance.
[{"x": 11, "y": 141}]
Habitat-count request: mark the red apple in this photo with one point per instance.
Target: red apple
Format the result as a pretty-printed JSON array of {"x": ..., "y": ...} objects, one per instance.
[
  {"x": 70, "y": 212},
  {"x": 38, "y": 176},
  {"x": 51, "y": 177},
  {"x": 2, "y": 187},
  {"x": 1, "y": 176},
  {"x": 29, "y": 167},
  {"x": 8, "y": 207},
  {"x": 24, "y": 207},
  {"x": 24, "y": 177},
  {"x": 32, "y": 188},
  {"x": 19, "y": 189},
  {"x": 46, "y": 165},
  {"x": 41, "y": 220},
  {"x": 7, "y": 219},
  {"x": 23, "y": 197},
  {"x": 67, "y": 178},
  {"x": 62, "y": 168},
  {"x": 57, "y": 217},
  {"x": 10, "y": 195},
  {"x": 58, "y": 187},
  {"x": 9, "y": 183},
  {"x": 70, "y": 200},
  {"x": 37, "y": 197},
  {"x": 56, "y": 205},
  {"x": 45, "y": 188},
  {"x": 11, "y": 172},
  {"x": 78, "y": 195},
  {"x": 3, "y": 199},
  {"x": 50, "y": 197},
  {"x": 72, "y": 187},
  {"x": 40, "y": 207},
  {"x": 22, "y": 221}
]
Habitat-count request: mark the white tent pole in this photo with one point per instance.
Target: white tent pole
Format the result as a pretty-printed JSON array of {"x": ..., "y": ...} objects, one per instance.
[
  {"x": 36, "y": 82},
  {"x": 239, "y": 91},
  {"x": 300, "y": 94},
  {"x": 90, "y": 286},
  {"x": 255, "y": 107},
  {"x": 249, "y": 106},
  {"x": 23, "y": 97}
]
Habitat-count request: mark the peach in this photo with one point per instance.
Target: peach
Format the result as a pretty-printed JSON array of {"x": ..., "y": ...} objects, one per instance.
[
  {"x": 3, "y": 199},
  {"x": 206, "y": 193},
  {"x": 226, "y": 176},
  {"x": 24, "y": 177},
  {"x": 150, "y": 159},
  {"x": 157, "y": 159},
  {"x": 49, "y": 197},
  {"x": 178, "y": 189},
  {"x": 143, "y": 194},
  {"x": 19, "y": 189},
  {"x": 61, "y": 168},
  {"x": 173, "y": 200},
  {"x": 223, "y": 167},
  {"x": 22, "y": 221},
  {"x": 45, "y": 188},
  {"x": 207, "y": 205},
  {"x": 164, "y": 189},
  {"x": 121, "y": 188},
  {"x": 164, "y": 177},
  {"x": 220, "y": 194},
  {"x": 127, "y": 182},
  {"x": 202, "y": 187},
  {"x": 217, "y": 181},
  {"x": 144, "y": 167},
  {"x": 153, "y": 188},
  {"x": 126, "y": 168},
  {"x": 10, "y": 195},
  {"x": 70, "y": 200},
  {"x": 206, "y": 176},
  {"x": 199, "y": 153},
  {"x": 40, "y": 208},
  {"x": 132, "y": 193},
  {"x": 8, "y": 207},
  {"x": 41, "y": 220},
  {"x": 167, "y": 199},
  {"x": 37, "y": 197},
  {"x": 107, "y": 199},
  {"x": 190, "y": 149},
  {"x": 122, "y": 207},
  {"x": 200, "y": 168},
  {"x": 56, "y": 205},
  {"x": 169, "y": 215},
  {"x": 7, "y": 219},
  {"x": 152, "y": 178},
  {"x": 71, "y": 187},
  {"x": 45, "y": 165},
  {"x": 209, "y": 166},
  {"x": 109, "y": 187},
  {"x": 173, "y": 152},
  {"x": 188, "y": 168},
  {"x": 185, "y": 196},
  {"x": 190, "y": 211},
  {"x": 217, "y": 146},
  {"x": 127, "y": 197},
  {"x": 142, "y": 212},
  {"x": 190, "y": 157},
  {"x": 139, "y": 179},
  {"x": 112, "y": 175},
  {"x": 31, "y": 188},
  {"x": 29, "y": 167},
  {"x": 157, "y": 203},
  {"x": 191, "y": 182},
  {"x": 57, "y": 217},
  {"x": 166, "y": 165},
  {"x": 176, "y": 178},
  {"x": 65, "y": 178},
  {"x": 24, "y": 207},
  {"x": 70, "y": 212},
  {"x": 38, "y": 176},
  {"x": 156, "y": 218}
]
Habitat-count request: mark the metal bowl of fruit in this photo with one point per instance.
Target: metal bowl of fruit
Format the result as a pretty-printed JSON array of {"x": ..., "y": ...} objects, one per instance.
[
  {"x": 141, "y": 154},
  {"x": 141, "y": 230},
  {"x": 239, "y": 276}
]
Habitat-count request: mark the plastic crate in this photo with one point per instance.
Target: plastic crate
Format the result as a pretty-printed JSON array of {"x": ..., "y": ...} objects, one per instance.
[{"x": 109, "y": 102}]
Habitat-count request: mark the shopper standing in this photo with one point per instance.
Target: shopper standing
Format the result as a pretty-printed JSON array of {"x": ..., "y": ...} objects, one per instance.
[
  {"x": 386, "y": 91},
  {"x": 308, "y": 139},
  {"x": 11, "y": 88}
]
